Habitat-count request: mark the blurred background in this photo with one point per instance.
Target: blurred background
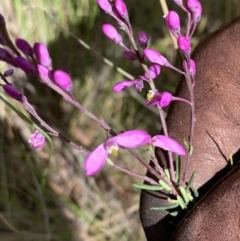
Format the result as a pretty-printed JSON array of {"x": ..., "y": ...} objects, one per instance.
[{"x": 52, "y": 199}]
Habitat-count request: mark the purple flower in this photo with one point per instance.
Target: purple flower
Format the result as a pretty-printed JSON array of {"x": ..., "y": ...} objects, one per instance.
[
  {"x": 155, "y": 57},
  {"x": 24, "y": 65},
  {"x": 130, "y": 55},
  {"x": 129, "y": 139},
  {"x": 105, "y": 5},
  {"x": 178, "y": 2},
  {"x": 8, "y": 72},
  {"x": 43, "y": 73},
  {"x": 173, "y": 23},
  {"x": 121, "y": 9},
  {"x": 5, "y": 55},
  {"x": 122, "y": 85},
  {"x": 111, "y": 33},
  {"x": 42, "y": 54},
  {"x": 63, "y": 80},
  {"x": 154, "y": 70},
  {"x": 192, "y": 67},
  {"x": 184, "y": 44},
  {"x": 168, "y": 144},
  {"x": 37, "y": 139},
  {"x": 192, "y": 5},
  {"x": 156, "y": 98},
  {"x": 143, "y": 39},
  {"x": 198, "y": 14},
  {"x": 24, "y": 46},
  {"x": 13, "y": 92}
]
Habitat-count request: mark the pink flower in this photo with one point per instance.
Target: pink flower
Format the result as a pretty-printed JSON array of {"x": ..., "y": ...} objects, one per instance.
[
  {"x": 121, "y": 9},
  {"x": 184, "y": 44},
  {"x": 154, "y": 70},
  {"x": 63, "y": 80},
  {"x": 5, "y": 55},
  {"x": 198, "y": 14},
  {"x": 173, "y": 23},
  {"x": 156, "y": 98},
  {"x": 129, "y": 139},
  {"x": 105, "y": 5},
  {"x": 192, "y": 5},
  {"x": 122, "y": 85},
  {"x": 24, "y": 46},
  {"x": 192, "y": 67},
  {"x": 111, "y": 33},
  {"x": 168, "y": 144},
  {"x": 143, "y": 39},
  {"x": 37, "y": 139},
  {"x": 155, "y": 57},
  {"x": 24, "y": 65},
  {"x": 13, "y": 92},
  {"x": 42, "y": 54}
]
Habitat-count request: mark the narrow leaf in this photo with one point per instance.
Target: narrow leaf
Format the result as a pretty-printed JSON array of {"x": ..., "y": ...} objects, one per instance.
[
  {"x": 178, "y": 168},
  {"x": 167, "y": 173},
  {"x": 165, "y": 185},
  {"x": 174, "y": 214},
  {"x": 166, "y": 207},
  {"x": 148, "y": 187},
  {"x": 184, "y": 194},
  {"x": 181, "y": 202},
  {"x": 190, "y": 183}
]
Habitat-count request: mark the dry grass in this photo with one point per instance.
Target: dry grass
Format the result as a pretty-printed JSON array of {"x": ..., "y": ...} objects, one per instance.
[{"x": 54, "y": 200}]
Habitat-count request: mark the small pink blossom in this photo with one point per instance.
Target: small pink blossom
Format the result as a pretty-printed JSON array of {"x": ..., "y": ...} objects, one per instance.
[
  {"x": 43, "y": 73},
  {"x": 63, "y": 80},
  {"x": 154, "y": 71},
  {"x": 37, "y": 139},
  {"x": 198, "y": 14},
  {"x": 155, "y": 57},
  {"x": 184, "y": 44},
  {"x": 24, "y": 65},
  {"x": 105, "y": 5},
  {"x": 156, "y": 98},
  {"x": 42, "y": 54},
  {"x": 121, "y": 9},
  {"x": 122, "y": 85},
  {"x": 112, "y": 33},
  {"x": 130, "y": 55},
  {"x": 192, "y": 67},
  {"x": 129, "y": 139},
  {"x": 143, "y": 39},
  {"x": 192, "y": 5},
  {"x": 173, "y": 23},
  {"x": 168, "y": 144}
]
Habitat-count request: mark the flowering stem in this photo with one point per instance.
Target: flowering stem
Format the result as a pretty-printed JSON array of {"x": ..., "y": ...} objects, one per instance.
[{"x": 4, "y": 79}]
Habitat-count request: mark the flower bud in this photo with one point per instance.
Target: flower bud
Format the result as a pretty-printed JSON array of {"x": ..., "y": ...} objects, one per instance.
[
  {"x": 143, "y": 39},
  {"x": 24, "y": 65},
  {"x": 192, "y": 67},
  {"x": 184, "y": 44},
  {"x": 154, "y": 70},
  {"x": 43, "y": 73},
  {"x": 173, "y": 22},
  {"x": 8, "y": 72},
  {"x": 111, "y": 33},
  {"x": 105, "y": 5},
  {"x": 63, "y": 80},
  {"x": 121, "y": 9},
  {"x": 155, "y": 57},
  {"x": 37, "y": 139},
  {"x": 192, "y": 5},
  {"x": 122, "y": 85},
  {"x": 13, "y": 92},
  {"x": 5, "y": 55},
  {"x": 198, "y": 14},
  {"x": 41, "y": 51},
  {"x": 129, "y": 55},
  {"x": 24, "y": 46}
]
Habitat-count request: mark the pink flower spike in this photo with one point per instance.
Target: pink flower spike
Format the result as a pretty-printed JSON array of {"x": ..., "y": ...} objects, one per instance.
[
  {"x": 96, "y": 160},
  {"x": 13, "y": 92},
  {"x": 198, "y": 14},
  {"x": 168, "y": 144},
  {"x": 42, "y": 54},
  {"x": 143, "y": 39},
  {"x": 132, "y": 139},
  {"x": 63, "y": 80},
  {"x": 111, "y": 33},
  {"x": 24, "y": 46},
  {"x": 37, "y": 139},
  {"x": 192, "y": 5},
  {"x": 105, "y": 5},
  {"x": 184, "y": 44},
  {"x": 122, "y": 85},
  {"x": 173, "y": 23},
  {"x": 24, "y": 65},
  {"x": 155, "y": 57},
  {"x": 121, "y": 9},
  {"x": 154, "y": 71}
]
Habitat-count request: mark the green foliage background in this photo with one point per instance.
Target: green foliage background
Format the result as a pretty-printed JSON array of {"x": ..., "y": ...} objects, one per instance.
[{"x": 44, "y": 199}]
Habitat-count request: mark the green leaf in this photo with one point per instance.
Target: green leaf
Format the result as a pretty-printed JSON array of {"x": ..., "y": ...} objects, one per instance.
[
  {"x": 190, "y": 197},
  {"x": 190, "y": 183},
  {"x": 195, "y": 192},
  {"x": 174, "y": 214},
  {"x": 165, "y": 185},
  {"x": 184, "y": 194},
  {"x": 166, "y": 207},
  {"x": 181, "y": 202},
  {"x": 167, "y": 173},
  {"x": 110, "y": 162},
  {"x": 148, "y": 187},
  {"x": 178, "y": 168}
]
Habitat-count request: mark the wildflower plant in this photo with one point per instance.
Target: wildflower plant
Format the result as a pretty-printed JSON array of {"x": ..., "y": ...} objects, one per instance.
[{"x": 36, "y": 61}]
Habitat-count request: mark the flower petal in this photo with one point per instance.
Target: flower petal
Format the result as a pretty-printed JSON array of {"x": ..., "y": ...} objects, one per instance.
[
  {"x": 122, "y": 85},
  {"x": 95, "y": 160},
  {"x": 132, "y": 139},
  {"x": 168, "y": 144}
]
